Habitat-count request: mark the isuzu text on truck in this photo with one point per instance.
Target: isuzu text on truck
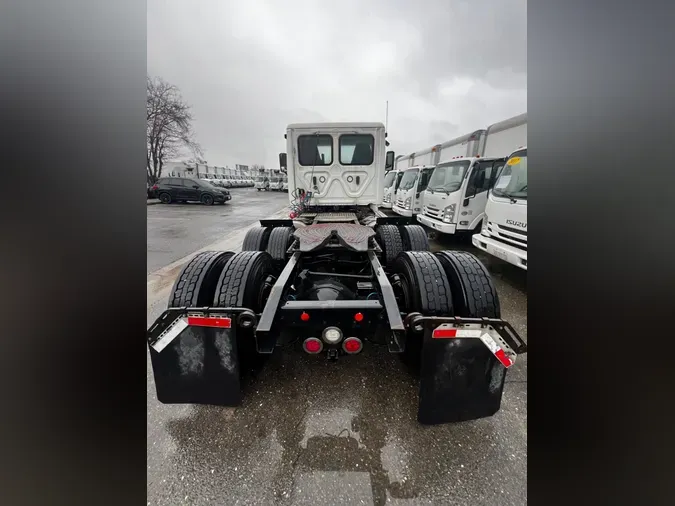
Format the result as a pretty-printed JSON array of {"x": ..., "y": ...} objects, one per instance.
[{"x": 335, "y": 277}]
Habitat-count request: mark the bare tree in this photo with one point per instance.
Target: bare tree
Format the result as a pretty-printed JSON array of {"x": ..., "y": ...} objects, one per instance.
[{"x": 169, "y": 127}]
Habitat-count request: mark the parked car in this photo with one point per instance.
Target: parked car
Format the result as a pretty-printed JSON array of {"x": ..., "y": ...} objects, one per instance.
[{"x": 183, "y": 189}]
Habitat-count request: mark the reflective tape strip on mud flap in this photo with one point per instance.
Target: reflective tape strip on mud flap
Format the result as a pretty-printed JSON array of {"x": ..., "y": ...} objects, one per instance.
[{"x": 170, "y": 334}]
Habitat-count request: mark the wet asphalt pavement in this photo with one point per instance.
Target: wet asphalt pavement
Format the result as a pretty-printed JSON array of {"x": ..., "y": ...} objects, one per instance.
[{"x": 314, "y": 432}]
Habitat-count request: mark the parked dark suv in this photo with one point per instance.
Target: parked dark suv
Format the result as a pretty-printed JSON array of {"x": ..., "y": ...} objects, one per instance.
[{"x": 183, "y": 189}]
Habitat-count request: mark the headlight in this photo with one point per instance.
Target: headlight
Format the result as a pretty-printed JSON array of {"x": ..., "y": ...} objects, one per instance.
[
  {"x": 449, "y": 213},
  {"x": 407, "y": 203},
  {"x": 483, "y": 228}
]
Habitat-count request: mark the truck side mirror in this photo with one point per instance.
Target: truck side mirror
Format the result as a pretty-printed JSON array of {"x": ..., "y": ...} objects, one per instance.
[
  {"x": 389, "y": 163},
  {"x": 282, "y": 160}
]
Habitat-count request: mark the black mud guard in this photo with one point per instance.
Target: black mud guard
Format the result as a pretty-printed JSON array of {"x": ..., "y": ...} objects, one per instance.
[
  {"x": 460, "y": 380},
  {"x": 199, "y": 366}
]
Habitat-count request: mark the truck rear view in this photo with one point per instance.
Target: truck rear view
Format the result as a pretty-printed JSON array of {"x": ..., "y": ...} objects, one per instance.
[{"x": 336, "y": 277}]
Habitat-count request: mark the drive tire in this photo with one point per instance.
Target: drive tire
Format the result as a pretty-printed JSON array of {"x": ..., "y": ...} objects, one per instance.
[
  {"x": 207, "y": 200},
  {"x": 414, "y": 238},
  {"x": 280, "y": 240},
  {"x": 165, "y": 198},
  {"x": 426, "y": 290},
  {"x": 473, "y": 293},
  {"x": 389, "y": 239},
  {"x": 196, "y": 283},
  {"x": 241, "y": 285},
  {"x": 256, "y": 239}
]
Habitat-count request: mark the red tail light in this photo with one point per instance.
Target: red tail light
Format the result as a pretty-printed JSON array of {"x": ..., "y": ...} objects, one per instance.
[
  {"x": 155, "y": 187},
  {"x": 352, "y": 345},
  {"x": 312, "y": 345}
]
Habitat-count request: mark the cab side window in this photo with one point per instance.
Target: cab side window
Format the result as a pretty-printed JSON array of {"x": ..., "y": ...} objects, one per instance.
[{"x": 482, "y": 168}]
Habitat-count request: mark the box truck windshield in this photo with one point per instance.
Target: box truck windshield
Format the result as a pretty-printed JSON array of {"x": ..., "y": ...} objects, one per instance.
[
  {"x": 399, "y": 176},
  {"x": 448, "y": 178},
  {"x": 409, "y": 178},
  {"x": 512, "y": 182}
]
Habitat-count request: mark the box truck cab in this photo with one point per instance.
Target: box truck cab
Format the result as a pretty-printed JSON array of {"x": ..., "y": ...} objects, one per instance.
[
  {"x": 504, "y": 230},
  {"x": 409, "y": 197},
  {"x": 455, "y": 197},
  {"x": 262, "y": 183},
  {"x": 389, "y": 188},
  {"x": 276, "y": 183}
]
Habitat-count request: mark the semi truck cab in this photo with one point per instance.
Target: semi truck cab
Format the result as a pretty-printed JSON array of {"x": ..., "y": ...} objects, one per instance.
[
  {"x": 455, "y": 197},
  {"x": 504, "y": 230},
  {"x": 409, "y": 198},
  {"x": 339, "y": 164}
]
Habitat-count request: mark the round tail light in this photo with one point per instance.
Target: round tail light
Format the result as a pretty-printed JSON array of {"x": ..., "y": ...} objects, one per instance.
[
  {"x": 312, "y": 345},
  {"x": 352, "y": 345}
]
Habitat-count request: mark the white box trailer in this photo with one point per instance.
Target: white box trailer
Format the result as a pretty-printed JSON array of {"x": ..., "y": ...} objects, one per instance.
[
  {"x": 505, "y": 137},
  {"x": 467, "y": 145}
]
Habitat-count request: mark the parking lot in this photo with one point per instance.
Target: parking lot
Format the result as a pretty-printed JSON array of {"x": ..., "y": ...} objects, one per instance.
[{"x": 314, "y": 432}]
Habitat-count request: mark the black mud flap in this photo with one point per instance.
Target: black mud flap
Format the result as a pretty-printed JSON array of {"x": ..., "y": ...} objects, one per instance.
[
  {"x": 460, "y": 380},
  {"x": 195, "y": 364}
]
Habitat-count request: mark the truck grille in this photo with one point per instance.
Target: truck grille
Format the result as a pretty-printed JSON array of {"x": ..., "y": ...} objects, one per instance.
[
  {"x": 432, "y": 212},
  {"x": 508, "y": 235},
  {"x": 400, "y": 202}
]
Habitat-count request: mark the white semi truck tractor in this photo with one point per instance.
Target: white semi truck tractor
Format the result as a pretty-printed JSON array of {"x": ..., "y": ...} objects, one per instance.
[{"x": 334, "y": 278}]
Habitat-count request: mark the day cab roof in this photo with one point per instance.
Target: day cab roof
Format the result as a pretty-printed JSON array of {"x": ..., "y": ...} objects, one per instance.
[{"x": 350, "y": 124}]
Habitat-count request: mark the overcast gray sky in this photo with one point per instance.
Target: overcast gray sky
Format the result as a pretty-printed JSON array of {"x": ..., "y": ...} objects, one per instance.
[{"x": 251, "y": 67}]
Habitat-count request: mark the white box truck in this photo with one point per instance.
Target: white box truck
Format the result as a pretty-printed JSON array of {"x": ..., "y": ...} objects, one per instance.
[
  {"x": 446, "y": 187},
  {"x": 409, "y": 194},
  {"x": 456, "y": 196},
  {"x": 504, "y": 230},
  {"x": 409, "y": 199}
]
